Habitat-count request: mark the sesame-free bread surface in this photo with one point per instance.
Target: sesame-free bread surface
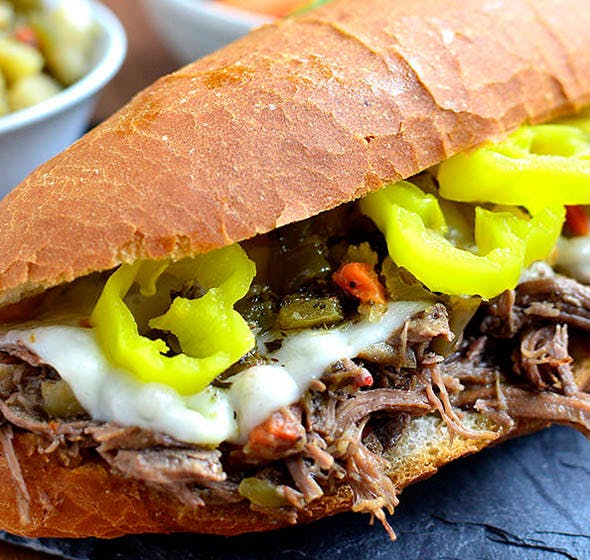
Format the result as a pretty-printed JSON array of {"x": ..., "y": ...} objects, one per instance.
[{"x": 294, "y": 119}]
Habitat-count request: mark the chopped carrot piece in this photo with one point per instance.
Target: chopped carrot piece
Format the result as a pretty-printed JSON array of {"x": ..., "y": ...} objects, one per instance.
[
  {"x": 363, "y": 378},
  {"x": 26, "y": 35},
  {"x": 577, "y": 220},
  {"x": 361, "y": 281},
  {"x": 281, "y": 431}
]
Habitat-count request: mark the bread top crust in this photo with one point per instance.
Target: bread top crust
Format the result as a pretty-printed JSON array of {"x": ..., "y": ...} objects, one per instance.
[{"x": 296, "y": 118}]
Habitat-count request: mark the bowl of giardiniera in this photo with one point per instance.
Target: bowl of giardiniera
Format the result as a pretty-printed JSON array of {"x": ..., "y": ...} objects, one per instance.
[{"x": 55, "y": 57}]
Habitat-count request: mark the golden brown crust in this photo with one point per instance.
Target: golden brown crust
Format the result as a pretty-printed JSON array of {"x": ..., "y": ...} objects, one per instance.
[{"x": 297, "y": 118}]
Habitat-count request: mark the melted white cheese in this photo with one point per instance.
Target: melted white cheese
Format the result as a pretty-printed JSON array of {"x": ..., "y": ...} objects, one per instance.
[{"x": 215, "y": 414}]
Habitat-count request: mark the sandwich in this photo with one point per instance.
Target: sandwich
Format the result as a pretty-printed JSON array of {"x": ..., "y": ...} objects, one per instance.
[{"x": 301, "y": 273}]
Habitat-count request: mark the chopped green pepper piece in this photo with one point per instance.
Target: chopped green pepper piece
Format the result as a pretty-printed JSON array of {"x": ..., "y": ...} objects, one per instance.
[
  {"x": 211, "y": 333},
  {"x": 402, "y": 286},
  {"x": 261, "y": 492},
  {"x": 537, "y": 166},
  {"x": 59, "y": 400},
  {"x": 258, "y": 308},
  {"x": 304, "y": 313},
  {"x": 302, "y": 264}
]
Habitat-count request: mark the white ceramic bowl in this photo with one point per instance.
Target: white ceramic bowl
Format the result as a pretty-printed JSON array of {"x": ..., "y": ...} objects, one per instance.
[
  {"x": 193, "y": 28},
  {"x": 33, "y": 135}
]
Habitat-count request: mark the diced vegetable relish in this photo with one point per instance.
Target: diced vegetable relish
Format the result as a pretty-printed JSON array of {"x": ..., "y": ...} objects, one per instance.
[{"x": 44, "y": 47}]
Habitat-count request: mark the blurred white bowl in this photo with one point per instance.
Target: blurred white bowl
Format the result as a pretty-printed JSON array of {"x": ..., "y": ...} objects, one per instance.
[
  {"x": 193, "y": 28},
  {"x": 33, "y": 135}
]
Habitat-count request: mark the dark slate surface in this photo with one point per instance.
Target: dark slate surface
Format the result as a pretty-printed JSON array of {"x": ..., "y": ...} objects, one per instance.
[{"x": 527, "y": 499}]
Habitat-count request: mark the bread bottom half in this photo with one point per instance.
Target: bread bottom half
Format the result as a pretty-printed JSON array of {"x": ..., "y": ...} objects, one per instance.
[{"x": 90, "y": 500}]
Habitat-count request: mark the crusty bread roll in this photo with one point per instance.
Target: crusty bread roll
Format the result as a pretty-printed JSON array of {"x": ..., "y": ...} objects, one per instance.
[{"x": 295, "y": 119}]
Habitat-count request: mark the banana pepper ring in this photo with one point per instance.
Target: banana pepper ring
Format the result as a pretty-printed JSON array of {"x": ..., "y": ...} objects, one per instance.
[
  {"x": 414, "y": 228},
  {"x": 537, "y": 166},
  {"x": 211, "y": 333}
]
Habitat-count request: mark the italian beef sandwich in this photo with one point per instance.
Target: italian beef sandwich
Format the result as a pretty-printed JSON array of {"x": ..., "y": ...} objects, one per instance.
[{"x": 301, "y": 273}]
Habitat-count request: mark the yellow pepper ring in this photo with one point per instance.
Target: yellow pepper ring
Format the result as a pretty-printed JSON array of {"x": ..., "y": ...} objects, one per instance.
[
  {"x": 506, "y": 243},
  {"x": 537, "y": 166},
  {"x": 211, "y": 333}
]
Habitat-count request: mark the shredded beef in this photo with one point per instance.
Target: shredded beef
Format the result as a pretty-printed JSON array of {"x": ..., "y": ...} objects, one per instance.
[
  {"x": 366, "y": 474},
  {"x": 304, "y": 478},
  {"x": 346, "y": 375},
  {"x": 162, "y": 466},
  {"x": 23, "y": 496},
  {"x": 111, "y": 437},
  {"x": 320, "y": 412},
  {"x": 352, "y": 460},
  {"x": 20, "y": 351},
  {"x": 56, "y": 430},
  {"x": 544, "y": 359},
  {"x": 365, "y": 403},
  {"x": 442, "y": 403},
  {"x": 409, "y": 345},
  {"x": 571, "y": 410},
  {"x": 506, "y": 400},
  {"x": 427, "y": 325},
  {"x": 469, "y": 366},
  {"x": 174, "y": 470},
  {"x": 315, "y": 449},
  {"x": 556, "y": 299}
]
